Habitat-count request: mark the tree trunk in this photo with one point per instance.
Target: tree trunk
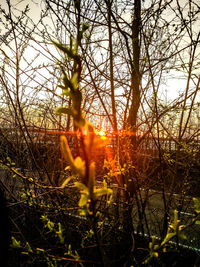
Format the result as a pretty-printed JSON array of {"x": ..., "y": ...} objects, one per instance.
[
  {"x": 109, "y": 5},
  {"x": 135, "y": 74}
]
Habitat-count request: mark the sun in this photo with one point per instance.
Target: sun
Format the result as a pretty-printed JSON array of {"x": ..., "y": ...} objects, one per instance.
[{"x": 102, "y": 133}]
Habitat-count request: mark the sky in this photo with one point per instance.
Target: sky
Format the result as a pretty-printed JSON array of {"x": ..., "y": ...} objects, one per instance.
[{"x": 174, "y": 81}]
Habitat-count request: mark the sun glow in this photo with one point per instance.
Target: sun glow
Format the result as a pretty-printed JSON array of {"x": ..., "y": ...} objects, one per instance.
[{"x": 102, "y": 134}]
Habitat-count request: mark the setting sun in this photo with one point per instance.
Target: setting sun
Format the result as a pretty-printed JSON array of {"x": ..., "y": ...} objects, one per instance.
[{"x": 102, "y": 133}]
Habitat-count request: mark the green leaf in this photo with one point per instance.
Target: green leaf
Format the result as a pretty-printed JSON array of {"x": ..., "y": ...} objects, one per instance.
[
  {"x": 66, "y": 151},
  {"x": 50, "y": 225},
  {"x": 67, "y": 168},
  {"x": 15, "y": 243},
  {"x": 65, "y": 49},
  {"x": 40, "y": 250},
  {"x": 175, "y": 222},
  {"x": 168, "y": 237},
  {"x": 64, "y": 110},
  {"x": 91, "y": 183},
  {"x": 81, "y": 187},
  {"x": 28, "y": 247},
  {"x": 79, "y": 164},
  {"x": 83, "y": 212},
  {"x": 66, "y": 181},
  {"x": 176, "y": 217},
  {"x": 155, "y": 254},
  {"x": 83, "y": 200},
  {"x": 85, "y": 27},
  {"x": 74, "y": 80},
  {"x": 44, "y": 218},
  {"x": 59, "y": 233},
  {"x": 61, "y": 86},
  {"x": 102, "y": 191},
  {"x": 67, "y": 82},
  {"x": 66, "y": 92},
  {"x": 196, "y": 204}
]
